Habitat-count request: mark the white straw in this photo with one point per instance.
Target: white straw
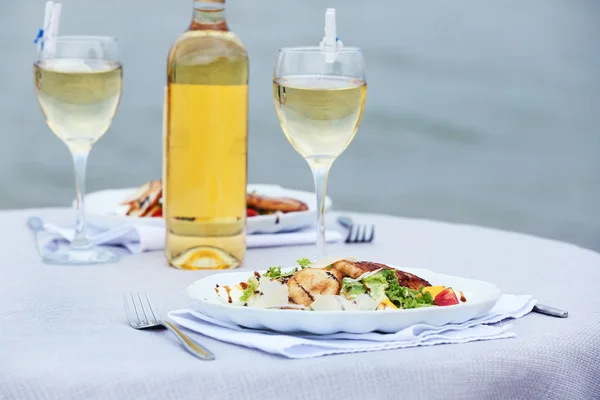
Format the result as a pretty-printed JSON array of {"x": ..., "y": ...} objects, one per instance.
[
  {"x": 47, "y": 15},
  {"x": 53, "y": 29},
  {"x": 46, "y": 26},
  {"x": 56, "y": 19}
]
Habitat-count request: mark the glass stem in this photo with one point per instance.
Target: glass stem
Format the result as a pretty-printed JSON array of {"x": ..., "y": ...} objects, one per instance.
[
  {"x": 320, "y": 172},
  {"x": 80, "y": 156}
]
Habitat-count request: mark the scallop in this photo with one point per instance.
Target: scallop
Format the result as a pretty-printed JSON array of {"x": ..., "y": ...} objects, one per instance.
[
  {"x": 271, "y": 293},
  {"x": 340, "y": 303},
  {"x": 327, "y": 303}
]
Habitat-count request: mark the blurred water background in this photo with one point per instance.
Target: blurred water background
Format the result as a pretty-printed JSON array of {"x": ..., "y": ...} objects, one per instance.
[{"x": 482, "y": 112}]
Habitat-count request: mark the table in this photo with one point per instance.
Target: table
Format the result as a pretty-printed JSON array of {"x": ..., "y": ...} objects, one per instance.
[{"x": 63, "y": 333}]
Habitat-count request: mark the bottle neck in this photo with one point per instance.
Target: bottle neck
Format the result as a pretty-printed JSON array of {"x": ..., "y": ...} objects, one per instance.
[{"x": 209, "y": 15}]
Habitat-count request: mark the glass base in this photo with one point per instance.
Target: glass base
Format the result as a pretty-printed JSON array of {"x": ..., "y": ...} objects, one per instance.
[{"x": 73, "y": 256}]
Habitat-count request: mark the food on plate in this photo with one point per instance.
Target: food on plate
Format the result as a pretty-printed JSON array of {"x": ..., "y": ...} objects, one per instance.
[
  {"x": 434, "y": 290},
  {"x": 354, "y": 269},
  {"x": 446, "y": 297},
  {"x": 146, "y": 201},
  {"x": 305, "y": 285},
  {"x": 270, "y": 205},
  {"x": 343, "y": 284}
]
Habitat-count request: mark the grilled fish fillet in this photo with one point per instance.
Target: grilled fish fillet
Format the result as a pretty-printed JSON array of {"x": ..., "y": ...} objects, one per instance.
[
  {"x": 148, "y": 195},
  {"x": 305, "y": 285},
  {"x": 283, "y": 204},
  {"x": 354, "y": 269}
]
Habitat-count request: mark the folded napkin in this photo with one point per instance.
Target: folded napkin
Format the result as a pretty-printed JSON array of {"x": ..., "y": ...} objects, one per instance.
[
  {"x": 309, "y": 345},
  {"x": 140, "y": 238}
]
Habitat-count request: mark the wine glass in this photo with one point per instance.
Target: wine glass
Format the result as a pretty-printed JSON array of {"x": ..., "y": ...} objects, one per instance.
[
  {"x": 78, "y": 82},
  {"x": 319, "y": 101}
]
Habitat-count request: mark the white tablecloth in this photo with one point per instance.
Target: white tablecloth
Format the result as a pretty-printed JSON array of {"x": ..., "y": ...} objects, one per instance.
[{"x": 63, "y": 333}]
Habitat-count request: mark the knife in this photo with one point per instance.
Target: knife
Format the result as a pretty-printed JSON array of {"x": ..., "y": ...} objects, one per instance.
[
  {"x": 42, "y": 237},
  {"x": 551, "y": 311}
]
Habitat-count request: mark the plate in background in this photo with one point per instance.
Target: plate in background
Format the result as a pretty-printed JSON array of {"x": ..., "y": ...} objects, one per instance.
[{"x": 103, "y": 210}]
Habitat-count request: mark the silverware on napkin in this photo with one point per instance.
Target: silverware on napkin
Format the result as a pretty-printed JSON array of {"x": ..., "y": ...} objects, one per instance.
[
  {"x": 357, "y": 233},
  {"x": 142, "y": 315}
]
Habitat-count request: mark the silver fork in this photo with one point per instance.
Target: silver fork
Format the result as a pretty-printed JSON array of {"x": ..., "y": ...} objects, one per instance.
[
  {"x": 142, "y": 315},
  {"x": 357, "y": 233}
]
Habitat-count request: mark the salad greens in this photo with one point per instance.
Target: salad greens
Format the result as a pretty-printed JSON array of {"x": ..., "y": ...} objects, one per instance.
[
  {"x": 249, "y": 291},
  {"x": 377, "y": 285},
  {"x": 403, "y": 297},
  {"x": 275, "y": 272},
  {"x": 304, "y": 262},
  {"x": 351, "y": 288},
  {"x": 384, "y": 285},
  {"x": 380, "y": 286}
]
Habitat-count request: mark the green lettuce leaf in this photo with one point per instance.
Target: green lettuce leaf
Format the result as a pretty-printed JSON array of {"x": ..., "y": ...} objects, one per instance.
[
  {"x": 377, "y": 285},
  {"x": 249, "y": 291},
  {"x": 403, "y": 297},
  {"x": 304, "y": 262},
  {"x": 351, "y": 288},
  {"x": 377, "y": 279},
  {"x": 275, "y": 272}
]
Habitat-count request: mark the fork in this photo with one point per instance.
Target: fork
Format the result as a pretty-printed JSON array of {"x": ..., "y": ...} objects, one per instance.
[
  {"x": 357, "y": 233},
  {"x": 142, "y": 315}
]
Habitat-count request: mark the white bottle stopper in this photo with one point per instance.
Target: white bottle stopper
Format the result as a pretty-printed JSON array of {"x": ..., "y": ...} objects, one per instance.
[{"x": 330, "y": 44}]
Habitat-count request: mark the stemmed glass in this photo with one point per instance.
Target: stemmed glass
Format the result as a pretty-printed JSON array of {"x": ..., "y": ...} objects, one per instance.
[
  {"x": 319, "y": 101},
  {"x": 78, "y": 81}
]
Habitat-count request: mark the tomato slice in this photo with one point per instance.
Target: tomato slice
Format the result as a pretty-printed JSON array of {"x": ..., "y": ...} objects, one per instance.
[
  {"x": 446, "y": 297},
  {"x": 157, "y": 212},
  {"x": 250, "y": 212}
]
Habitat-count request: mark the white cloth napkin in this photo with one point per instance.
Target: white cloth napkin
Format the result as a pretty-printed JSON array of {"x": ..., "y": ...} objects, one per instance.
[
  {"x": 140, "y": 238},
  {"x": 308, "y": 345}
]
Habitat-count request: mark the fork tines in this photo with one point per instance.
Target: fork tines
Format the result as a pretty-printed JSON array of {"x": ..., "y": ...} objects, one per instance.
[
  {"x": 361, "y": 234},
  {"x": 139, "y": 310}
]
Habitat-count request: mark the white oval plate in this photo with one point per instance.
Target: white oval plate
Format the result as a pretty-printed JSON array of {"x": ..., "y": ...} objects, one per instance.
[
  {"x": 104, "y": 211},
  {"x": 481, "y": 297}
]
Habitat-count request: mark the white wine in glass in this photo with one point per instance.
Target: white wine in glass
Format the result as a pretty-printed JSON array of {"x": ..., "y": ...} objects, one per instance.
[
  {"x": 319, "y": 114},
  {"x": 78, "y": 85},
  {"x": 319, "y": 103},
  {"x": 78, "y": 98}
]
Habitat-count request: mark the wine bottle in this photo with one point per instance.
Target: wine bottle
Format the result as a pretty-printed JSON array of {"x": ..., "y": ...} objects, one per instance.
[{"x": 205, "y": 144}]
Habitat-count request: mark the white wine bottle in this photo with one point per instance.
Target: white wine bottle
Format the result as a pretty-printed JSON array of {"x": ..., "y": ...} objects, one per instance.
[{"x": 205, "y": 144}]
